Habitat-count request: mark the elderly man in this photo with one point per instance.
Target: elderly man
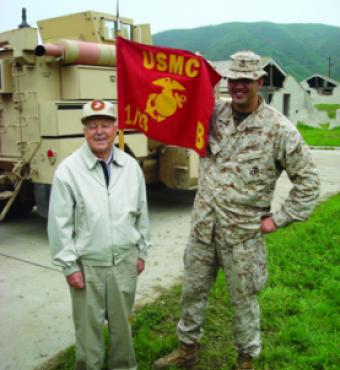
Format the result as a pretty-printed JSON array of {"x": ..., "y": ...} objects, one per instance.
[
  {"x": 99, "y": 233},
  {"x": 250, "y": 144}
]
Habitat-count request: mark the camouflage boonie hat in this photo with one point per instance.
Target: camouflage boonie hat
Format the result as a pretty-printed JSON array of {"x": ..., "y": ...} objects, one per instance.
[{"x": 245, "y": 64}]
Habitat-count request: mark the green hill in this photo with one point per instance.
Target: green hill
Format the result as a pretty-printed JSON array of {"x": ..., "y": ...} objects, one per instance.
[{"x": 301, "y": 49}]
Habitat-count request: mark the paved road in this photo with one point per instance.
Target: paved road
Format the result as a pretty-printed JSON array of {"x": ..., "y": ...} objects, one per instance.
[{"x": 35, "y": 320}]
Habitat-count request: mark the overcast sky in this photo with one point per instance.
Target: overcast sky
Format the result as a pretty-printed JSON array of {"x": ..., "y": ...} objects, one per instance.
[{"x": 164, "y": 15}]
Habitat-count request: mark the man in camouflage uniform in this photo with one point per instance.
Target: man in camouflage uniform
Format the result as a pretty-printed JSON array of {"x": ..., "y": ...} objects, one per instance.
[{"x": 250, "y": 144}]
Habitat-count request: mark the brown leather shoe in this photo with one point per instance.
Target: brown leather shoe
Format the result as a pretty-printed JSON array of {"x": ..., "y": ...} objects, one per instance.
[
  {"x": 244, "y": 362},
  {"x": 184, "y": 356}
]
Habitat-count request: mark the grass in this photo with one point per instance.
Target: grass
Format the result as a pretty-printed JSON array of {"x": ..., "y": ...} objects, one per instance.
[
  {"x": 300, "y": 317},
  {"x": 320, "y": 136},
  {"x": 329, "y": 108}
]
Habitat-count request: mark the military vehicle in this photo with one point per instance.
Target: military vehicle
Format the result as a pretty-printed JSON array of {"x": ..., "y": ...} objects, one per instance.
[{"x": 43, "y": 87}]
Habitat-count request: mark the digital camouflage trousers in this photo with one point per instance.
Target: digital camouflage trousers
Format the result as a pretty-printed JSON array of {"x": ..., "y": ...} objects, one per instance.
[{"x": 245, "y": 270}]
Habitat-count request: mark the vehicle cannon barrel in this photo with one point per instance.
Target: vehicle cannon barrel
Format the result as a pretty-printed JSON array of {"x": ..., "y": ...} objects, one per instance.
[{"x": 80, "y": 52}]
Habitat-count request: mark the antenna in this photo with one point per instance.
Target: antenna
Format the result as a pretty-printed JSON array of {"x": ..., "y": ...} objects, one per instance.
[
  {"x": 117, "y": 33},
  {"x": 117, "y": 19},
  {"x": 24, "y": 23}
]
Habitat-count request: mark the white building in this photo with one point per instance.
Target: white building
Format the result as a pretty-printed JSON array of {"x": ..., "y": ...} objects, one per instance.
[{"x": 322, "y": 89}]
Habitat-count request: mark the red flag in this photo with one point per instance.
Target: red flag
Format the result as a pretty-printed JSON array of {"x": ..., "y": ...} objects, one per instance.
[{"x": 166, "y": 93}]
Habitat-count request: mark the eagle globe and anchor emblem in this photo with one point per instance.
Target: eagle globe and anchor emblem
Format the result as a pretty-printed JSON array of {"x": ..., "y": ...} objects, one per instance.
[{"x": 164, "y": 104}]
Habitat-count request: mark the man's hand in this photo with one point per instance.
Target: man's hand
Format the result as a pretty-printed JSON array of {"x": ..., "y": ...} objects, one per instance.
[
  {"x": 76, "y": 280},
  {"x": 268, "y": 225},
  {"x": 140, "y": 265}
]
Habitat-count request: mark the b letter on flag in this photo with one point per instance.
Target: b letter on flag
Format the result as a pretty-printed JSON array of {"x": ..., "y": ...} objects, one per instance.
[{"x": 166, "y": 93}]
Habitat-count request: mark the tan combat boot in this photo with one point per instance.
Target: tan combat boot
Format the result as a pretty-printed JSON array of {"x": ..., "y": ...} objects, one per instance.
[
  {"x": 184, "y": 356},
  {"x": 244, "y": 362}
]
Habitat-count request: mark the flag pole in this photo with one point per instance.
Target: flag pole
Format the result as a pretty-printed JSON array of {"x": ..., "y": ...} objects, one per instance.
[{"x": 117, "y": 33}]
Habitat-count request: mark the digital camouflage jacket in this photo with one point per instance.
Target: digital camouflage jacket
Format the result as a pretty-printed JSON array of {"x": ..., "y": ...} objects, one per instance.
[{"x": 238, "y": 176}]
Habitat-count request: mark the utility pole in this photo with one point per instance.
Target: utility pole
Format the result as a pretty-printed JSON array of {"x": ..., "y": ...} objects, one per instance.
[{"x": 330, "y": 64}]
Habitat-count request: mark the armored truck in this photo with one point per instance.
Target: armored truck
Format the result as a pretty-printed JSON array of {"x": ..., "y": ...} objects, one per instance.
[{"x": 44, "y": 84}]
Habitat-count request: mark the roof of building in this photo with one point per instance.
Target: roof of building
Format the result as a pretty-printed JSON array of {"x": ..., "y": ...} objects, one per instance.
[{"x": 323, "y": 77}]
